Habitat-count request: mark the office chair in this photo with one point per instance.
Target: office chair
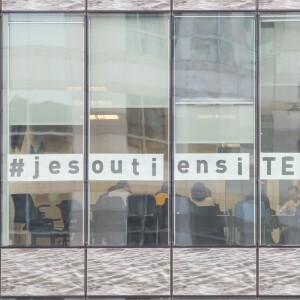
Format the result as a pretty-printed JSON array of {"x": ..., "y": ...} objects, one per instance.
[
  {"x": 33, "y": 218},
  {"x": 109, "y": 221},
  {"x": 142, "y": 220},
  {"x": 163, "y": 222},
  {"x": 182, "y": 219},
  {"x": 245, "y": 220},
  {"x": 207, "y": 228},
  {"x": 297, "y": 221},
  {"x": 290, "y": 229},
  {"x": 71, "y": 213}
]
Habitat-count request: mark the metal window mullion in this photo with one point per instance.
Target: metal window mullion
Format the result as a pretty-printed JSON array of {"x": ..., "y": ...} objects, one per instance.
[
  {"x": 257, "y": 148},
  {"x": 86, "y": 150},
  {"x": 171, "y": 144}
]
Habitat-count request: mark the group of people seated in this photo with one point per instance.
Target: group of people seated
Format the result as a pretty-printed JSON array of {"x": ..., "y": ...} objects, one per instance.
[
  {"x": 285, "y": 220},
  {"x": 123, "y": 189},
  {"x": 198, "y": 219},
  {"x": 120, "y": 217},
  {"x": 289, "y": 218}
]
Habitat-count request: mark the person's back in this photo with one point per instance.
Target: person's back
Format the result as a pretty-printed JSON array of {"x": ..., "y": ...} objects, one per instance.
[
  {"x": 205, "y": 225},
  {"x": 122, "y": 190},
  {"x": 199, "y": 195}
]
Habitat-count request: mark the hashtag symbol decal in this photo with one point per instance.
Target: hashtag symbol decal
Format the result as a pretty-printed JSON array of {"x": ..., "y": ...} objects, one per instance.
[{"x": 16, "y": 167}]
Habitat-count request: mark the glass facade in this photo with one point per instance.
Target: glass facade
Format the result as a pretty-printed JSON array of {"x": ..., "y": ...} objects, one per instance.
[
  {"x": 43, "y": 125},
  {"x": 279, "y": 117},
  {"x": 213, "y": 89},
  {"x": 150, "y": 150},
  {"x": 128, "y": 136}
]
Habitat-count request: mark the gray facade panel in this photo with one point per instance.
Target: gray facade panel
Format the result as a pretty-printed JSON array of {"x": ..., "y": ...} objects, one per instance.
[
  {"x": 42, "y": 272},
  {"x": 279, "y": 272},
  {"x": 128, "y": 272},
  {"x": 128, "y": 5},
  {"x": 214, "y": 5},
  {"x": 279, "y": 4},
  {"x": 204, "y": 271},
  {"x": 47, "y": 5}
]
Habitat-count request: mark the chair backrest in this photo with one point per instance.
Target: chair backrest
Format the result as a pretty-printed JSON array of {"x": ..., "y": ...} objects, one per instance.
[
  {"x": 245, "y": 219},
  {"x": 182, "y": 221},
  {"x": 206, "y": 225},
  {"x": 110, "y": 204},
  {"x": 151, "y": 208},
  {"x": 164, "y": 215},
  {"x": 244, "y": 211},
  {"x": 182, "y": 205},
  {"x": 71, "y": 213},
  {"x": 109, "y": 221},
  {"x": 204, "y": 218},
  {"x": 136, "y": 205},
  {"x": 141, "y": 205},
  {"x": 25, "y": 211}
]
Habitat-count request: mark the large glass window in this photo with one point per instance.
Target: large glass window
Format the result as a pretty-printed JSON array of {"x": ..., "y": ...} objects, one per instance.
[
  {"x": 214, "y": 129},
  {"x": 42, "y": 198},
  {"x": 128, "y": 161},
  {"x": 280, "y": 127}
]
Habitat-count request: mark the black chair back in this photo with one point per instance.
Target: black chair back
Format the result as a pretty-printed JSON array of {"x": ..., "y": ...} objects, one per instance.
[
  {"x": 164, "y": 215},
  {"x": 135, "y": 205},
  {"x": 142, "y": 221},
  {"x": 33, "y": 218},
  {"x": 71, "y": 213},
  {"x": 206, "y": 226},
  {"x": 182, "y": 219},
  {"x": 109, "y": 221},
  {"x": 245, "y": 219},
  {"x": 163, "y": 222},
  {"x": 25, "y": 211}
]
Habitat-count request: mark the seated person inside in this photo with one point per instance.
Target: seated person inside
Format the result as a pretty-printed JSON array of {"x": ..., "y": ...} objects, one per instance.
[
  {"x": 162, "y": 195},
  {"x": 289, "y": 218},
  {"x": 201, "y": 196},
  {"x": 290, "y": 206},
  {"x": 120, "y": 189},
  {"x": 206, "y": 226}
]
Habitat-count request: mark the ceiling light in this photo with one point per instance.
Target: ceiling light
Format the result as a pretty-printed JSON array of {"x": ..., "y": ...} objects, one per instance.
[{"x": 104, "y": 117}]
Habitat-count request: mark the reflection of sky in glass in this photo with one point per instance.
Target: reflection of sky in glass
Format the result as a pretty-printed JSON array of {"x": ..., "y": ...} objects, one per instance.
[
  {"x": 280, "y": 81},
  {"x": 129, "y": 60},
  {"x": 45, "y": 68}
]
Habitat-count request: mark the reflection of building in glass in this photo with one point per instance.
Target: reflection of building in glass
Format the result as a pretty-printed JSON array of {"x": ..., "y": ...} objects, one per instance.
[
  {"x": 150, "y": 149},
  {"x": 214, "y": 59}
]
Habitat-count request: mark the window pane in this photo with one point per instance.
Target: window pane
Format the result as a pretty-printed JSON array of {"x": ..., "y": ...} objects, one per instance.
[
  {"x": 129, "y": 129},
  {"x": 43, "y": 129},
  {"x": 280, "y": 125},
  {"x": 214, "y": 129}
]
